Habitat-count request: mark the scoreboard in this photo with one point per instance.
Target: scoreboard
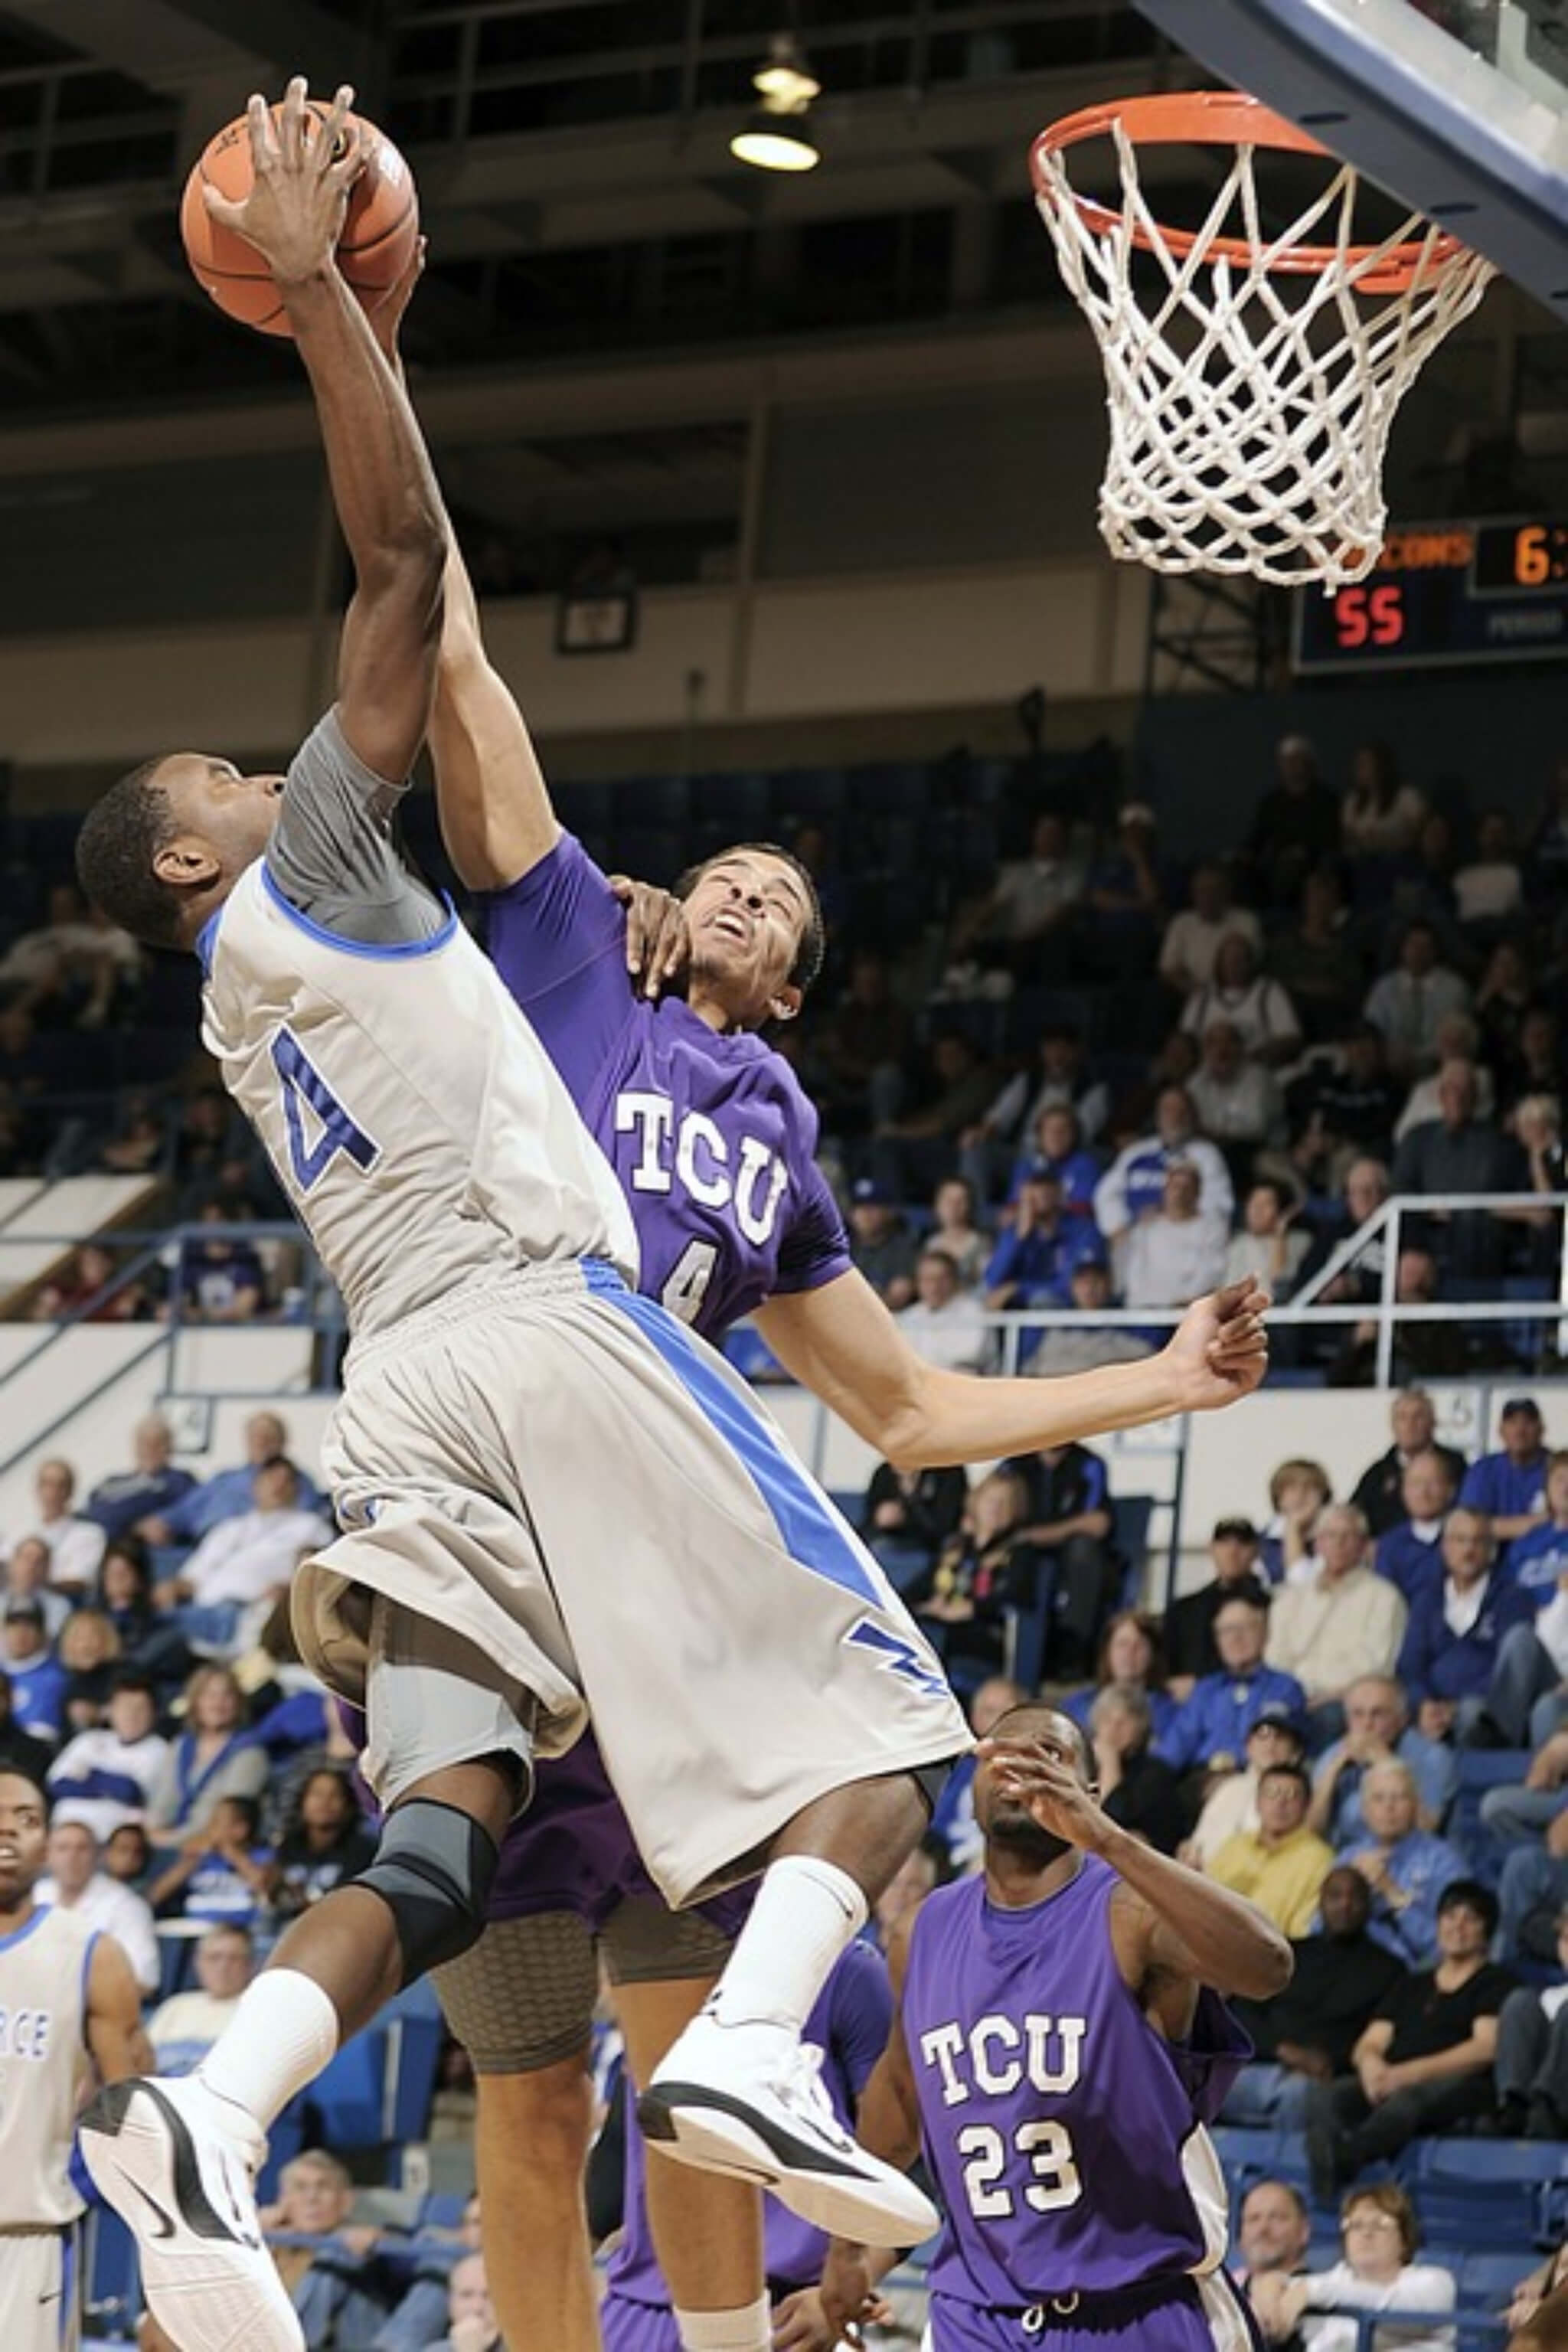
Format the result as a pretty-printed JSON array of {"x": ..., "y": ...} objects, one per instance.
[{"x": 1458, "y": 593}]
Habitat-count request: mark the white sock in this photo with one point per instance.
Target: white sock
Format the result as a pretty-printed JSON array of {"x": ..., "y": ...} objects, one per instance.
[
  {"x": 805, "y": 1914},
  {"x": 751, "y": 2329},
  {"x": 279, "y": 2038}
]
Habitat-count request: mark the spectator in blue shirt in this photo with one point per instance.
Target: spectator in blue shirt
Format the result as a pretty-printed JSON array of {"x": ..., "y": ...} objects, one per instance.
[
  {"x": 1212, "y": 1728},
  {"x": 1406, "y": 1868},
  {"x": 222, "y": 1872},
  {"x": 1028, "y": 1266},
  {"x": 120, "y": 1504},
  {"x": 1509, "y": 1485},
  {"x": 1456, "y": 1628},
  {"x": 1537, "y": 1561},
  {"x": 1410, "y": 1554},
  {"x": 1056, "y": 1148},
  {"x": 1377, "y": 1729},
  {"x": 229, "y": 1493},
  {"x": 38, "y": 1681}
]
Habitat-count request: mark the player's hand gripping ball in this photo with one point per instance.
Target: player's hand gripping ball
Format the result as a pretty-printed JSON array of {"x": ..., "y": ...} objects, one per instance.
[{"x": 380, "y": 234}]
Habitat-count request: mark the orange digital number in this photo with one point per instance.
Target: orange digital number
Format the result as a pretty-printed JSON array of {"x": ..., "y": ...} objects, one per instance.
[{"x": 1532, "y": 556}]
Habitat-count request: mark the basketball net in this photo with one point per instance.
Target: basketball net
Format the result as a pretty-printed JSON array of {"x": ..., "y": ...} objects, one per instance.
[{"x": 1252, "y": 385}]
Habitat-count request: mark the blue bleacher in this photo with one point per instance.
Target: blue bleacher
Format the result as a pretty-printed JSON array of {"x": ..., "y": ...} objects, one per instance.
[
  {"x": 1478, "y": 1770},
  {"x": 1485, "y": 2192}
]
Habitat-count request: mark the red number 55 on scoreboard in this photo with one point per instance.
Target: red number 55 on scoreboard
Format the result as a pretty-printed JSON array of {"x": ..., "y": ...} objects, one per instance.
[{"x": 1369, "y": 616}]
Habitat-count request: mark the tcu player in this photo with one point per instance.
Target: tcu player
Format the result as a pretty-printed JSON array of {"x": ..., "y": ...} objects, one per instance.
[
  {"x": 848, "y": 2031},
  {"x": 551, "y": 1496},
  {"x": 1059, "y": 2049},
  {"x": 67, "y": 1997},
  {"x": 713, "y": 1143}
]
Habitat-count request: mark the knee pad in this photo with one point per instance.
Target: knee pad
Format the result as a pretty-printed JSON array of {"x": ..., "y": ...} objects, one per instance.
[{"x": 434, "y": 1870}]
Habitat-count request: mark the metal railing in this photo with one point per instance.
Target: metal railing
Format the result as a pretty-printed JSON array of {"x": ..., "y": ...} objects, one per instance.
[{"x": 313, "y": 1302}]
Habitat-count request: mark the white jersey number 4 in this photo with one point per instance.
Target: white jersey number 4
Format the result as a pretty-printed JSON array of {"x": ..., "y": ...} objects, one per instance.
[{"x": 687, "y": 1287}]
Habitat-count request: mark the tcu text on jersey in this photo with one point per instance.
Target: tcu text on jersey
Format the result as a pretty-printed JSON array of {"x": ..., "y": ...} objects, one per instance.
[
  {"x": 692, "y": 1151},
  {"x": 996, "y": 2056}
]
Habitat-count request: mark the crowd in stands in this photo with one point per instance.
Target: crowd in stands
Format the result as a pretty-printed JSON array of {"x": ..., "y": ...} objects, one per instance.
[
  {"x": 1057, "y": 1069},
  {"x": 1084, "y": 1079},
  {"x": 1359, "y": 1720}
]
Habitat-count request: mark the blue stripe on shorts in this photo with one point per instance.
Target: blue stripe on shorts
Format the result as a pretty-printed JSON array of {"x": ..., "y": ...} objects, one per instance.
[{"x": 809, "y": 1527}]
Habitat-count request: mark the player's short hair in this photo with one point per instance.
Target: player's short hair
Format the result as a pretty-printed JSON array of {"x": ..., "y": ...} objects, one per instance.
[
  {"x": 118, "y": 839},
  {"x": 1002, "y": 1728},
  {"x": 38, "y": 1787},
  {"x": 813, "y": 947}
]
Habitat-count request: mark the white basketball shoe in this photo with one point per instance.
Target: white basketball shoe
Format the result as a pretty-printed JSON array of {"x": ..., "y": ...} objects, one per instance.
[
  {"x": 739, "y": 2099},
  {"x": 178, "y": 2166}
]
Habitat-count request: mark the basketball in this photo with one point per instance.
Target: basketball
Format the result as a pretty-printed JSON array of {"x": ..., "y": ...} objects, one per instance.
[{"x": 377, "y": 243}]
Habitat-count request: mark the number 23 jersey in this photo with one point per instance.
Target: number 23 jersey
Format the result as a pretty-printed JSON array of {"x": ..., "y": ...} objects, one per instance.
[
  {"x": 1064, "y": 2133},
  {"x": 710, "y": 1135}
]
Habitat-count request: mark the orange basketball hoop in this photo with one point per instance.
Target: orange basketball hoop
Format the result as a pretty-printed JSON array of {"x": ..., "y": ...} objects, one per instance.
[{"x": 1253, "y": 383}]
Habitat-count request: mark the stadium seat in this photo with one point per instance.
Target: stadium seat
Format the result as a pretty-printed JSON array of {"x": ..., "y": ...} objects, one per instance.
[
  {"x": 1484, "y": 2278},
  {"x": 806, "y": 795},
  {"x": 584, "y": 803},
  {"x": 1131, "y": 1514},
  {"x": 1028, "y": 1628},
  {"x": 1484, "y": 2192},
  {"x": 740, "y": 805},
  {"x": 1478, "y": 1770},
  {"x": 891, "y": 788},
  {"x": 647, "y": 852},
  {"x": 649, "y": 801}
]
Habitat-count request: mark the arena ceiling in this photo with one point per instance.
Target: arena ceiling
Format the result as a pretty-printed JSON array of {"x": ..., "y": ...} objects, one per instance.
[{"x": 572, "y": 159}]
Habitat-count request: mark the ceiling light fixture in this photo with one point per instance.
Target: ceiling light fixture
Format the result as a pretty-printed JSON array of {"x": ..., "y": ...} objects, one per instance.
[{"x": 778, "y": 135}]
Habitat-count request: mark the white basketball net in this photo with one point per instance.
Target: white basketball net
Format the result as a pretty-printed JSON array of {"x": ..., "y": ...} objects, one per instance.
[{"x": 1249, "y": 410}]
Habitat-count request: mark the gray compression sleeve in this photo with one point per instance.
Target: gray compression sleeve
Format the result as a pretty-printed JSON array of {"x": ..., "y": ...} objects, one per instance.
[{"x": 333, "y": 854}]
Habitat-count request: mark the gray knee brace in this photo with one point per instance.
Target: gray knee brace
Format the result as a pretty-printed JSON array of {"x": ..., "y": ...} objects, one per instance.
[{"x": 433, "y": 1869}]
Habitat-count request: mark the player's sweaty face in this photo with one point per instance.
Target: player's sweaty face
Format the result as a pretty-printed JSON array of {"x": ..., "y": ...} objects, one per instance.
[
  {"x": 747, "y": 915},
  {"x": 996, "y": 1810},
  {"x": 213, "y": 798}
]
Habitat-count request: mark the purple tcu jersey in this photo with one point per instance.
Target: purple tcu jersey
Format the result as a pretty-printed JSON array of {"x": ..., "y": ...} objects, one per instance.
[
  {"x": 710, "y": 1135},
  {"x": 712, "y": 1139},
  {"x": 849, "y": 2026},
  {"x": 1064, "y": 2133}
]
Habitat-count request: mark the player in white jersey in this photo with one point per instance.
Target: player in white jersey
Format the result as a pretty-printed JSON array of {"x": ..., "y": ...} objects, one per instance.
[
  {"x": 552, "y": 1498},
  {"x": 67, "y": 2001}
]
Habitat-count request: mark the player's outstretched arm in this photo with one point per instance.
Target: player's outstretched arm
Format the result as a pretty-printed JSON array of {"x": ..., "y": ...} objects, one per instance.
[
  {"x": 497, "y": 820},
  {"x": 1182, "y": 1926},
  {"x": 383, "y": 486},
  {"x": 841, "y": 1342},
  {"x": 115, "y": 2034}
]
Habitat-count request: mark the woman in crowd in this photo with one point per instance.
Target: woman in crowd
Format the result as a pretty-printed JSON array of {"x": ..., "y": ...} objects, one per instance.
[
  {"x": 1130, "y": 1652},
  {"x": 325, "y": 1841},
  {"x": 953, "y": 1229},
  {"x": 1381, "y": 815},
  {"x": 982, "y": 1572},
  {"x": 212, "y": 1759},
  {"x": 1378, "y": 2272}
]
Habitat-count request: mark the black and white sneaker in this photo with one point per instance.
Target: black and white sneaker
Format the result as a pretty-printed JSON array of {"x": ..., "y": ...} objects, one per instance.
[
  {"x": 178, "y": 2166},
  {"x": 724, "y": 2100}
]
